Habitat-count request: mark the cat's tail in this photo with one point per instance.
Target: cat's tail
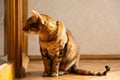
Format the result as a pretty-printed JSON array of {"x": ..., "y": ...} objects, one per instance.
[{"x": 84, "y": 72}]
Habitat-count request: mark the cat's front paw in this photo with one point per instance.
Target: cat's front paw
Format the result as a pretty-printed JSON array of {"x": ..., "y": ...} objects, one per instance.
[{"x": 54, "y": 75}]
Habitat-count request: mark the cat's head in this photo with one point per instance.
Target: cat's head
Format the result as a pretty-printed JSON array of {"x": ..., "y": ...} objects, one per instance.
[{"x": 39, "y": 24}]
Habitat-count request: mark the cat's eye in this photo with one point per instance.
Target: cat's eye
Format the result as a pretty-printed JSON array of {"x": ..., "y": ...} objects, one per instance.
[{"x": 34, "y": 25}]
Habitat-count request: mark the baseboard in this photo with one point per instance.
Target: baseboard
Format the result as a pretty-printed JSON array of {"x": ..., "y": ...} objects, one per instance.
[
  {"x": 101, "y": 57},
  {"x": 35, "y": 57},
  {"x": 86, "y": 57}
]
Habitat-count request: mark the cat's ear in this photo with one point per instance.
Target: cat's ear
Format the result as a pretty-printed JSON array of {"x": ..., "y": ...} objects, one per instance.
[
  {"x": 34, "y": 13},
  {"x": 37, "y": 16}
]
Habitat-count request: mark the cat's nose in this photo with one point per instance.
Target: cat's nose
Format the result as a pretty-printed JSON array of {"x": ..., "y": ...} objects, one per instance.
[{"x": 25, "y": 29}]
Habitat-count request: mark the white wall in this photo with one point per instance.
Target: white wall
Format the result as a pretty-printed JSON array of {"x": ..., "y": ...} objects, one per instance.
[
  {"x": 1, "y": 27},
  {"x": 95, "y": 24}
]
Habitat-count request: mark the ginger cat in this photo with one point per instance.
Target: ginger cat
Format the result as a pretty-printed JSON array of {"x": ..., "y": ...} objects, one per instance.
[{"x": 59, "y": 51}]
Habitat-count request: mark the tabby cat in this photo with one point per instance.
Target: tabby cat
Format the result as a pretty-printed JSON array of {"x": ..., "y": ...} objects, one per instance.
[{"x": 59, "y": 51}]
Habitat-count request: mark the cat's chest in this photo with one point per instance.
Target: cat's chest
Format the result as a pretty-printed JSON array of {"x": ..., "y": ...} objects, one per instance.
[
  {"x": 49, "y": 45},
  {"x": 53, "y": 47},
  {"x": 58, "y": 43}
]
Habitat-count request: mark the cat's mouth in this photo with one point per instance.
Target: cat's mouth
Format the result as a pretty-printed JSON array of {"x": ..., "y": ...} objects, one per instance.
[{"x": 27, "y": 31}]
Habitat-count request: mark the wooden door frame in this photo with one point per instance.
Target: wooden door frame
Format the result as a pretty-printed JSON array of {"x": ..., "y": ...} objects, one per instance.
[{"x": 14, "y": 19}]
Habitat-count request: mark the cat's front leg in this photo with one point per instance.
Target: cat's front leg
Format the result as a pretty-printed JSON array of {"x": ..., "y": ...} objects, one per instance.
[
  {"x": 47, "y": 66},
  {"x": 55, "y": 67},
  {"x": 46, "y": 62}
]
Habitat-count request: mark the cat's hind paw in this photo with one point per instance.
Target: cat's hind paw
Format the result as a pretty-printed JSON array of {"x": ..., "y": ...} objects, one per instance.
[{"x": 46, "y": 74}]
